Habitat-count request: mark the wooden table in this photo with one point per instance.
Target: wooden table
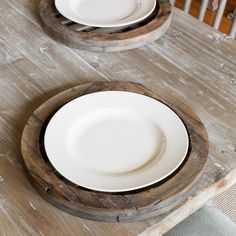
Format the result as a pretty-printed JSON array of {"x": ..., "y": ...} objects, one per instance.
[{"x": 191, "y": 61}]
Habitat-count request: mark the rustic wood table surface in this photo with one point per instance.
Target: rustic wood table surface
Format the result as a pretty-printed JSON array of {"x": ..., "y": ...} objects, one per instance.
[{"x": 191, "y": 61}]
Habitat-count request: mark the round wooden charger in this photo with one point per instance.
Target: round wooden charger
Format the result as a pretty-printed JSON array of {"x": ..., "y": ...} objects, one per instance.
[
  {"x": 105, "y": 39},
  {"x": 125, "y": 206}
]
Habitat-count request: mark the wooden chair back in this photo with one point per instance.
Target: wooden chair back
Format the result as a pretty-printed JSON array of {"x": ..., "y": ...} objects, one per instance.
[{"x": 218, "y": 16}]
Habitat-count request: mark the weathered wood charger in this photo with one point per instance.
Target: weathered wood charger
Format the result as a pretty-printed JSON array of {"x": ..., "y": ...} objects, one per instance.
[
  {"x": 125, "y": 206},
  {"x": 105, "y": 39}
]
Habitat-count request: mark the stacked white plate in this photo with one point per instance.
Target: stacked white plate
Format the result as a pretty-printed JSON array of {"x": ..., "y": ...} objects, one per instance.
[
  {"x": 105, "y": 13},
  {"x": 115, "y": 141}
]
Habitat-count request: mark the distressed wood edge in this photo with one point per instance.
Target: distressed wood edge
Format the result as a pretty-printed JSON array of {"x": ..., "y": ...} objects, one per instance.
[
  {"x": 103, "y": 47},
  {"x": 121, "y": 215},
  {"x": 192, "y": 204},
  {"x": 122, "y": 41},
  {"x": 166, "y": 208}
]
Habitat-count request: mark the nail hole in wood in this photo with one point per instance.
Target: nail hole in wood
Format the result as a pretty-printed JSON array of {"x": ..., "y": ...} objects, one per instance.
[
  {"x": 233, "y": 81},
  {"x": 94, "y": 64},
  {"x": 48, "y": 189}
]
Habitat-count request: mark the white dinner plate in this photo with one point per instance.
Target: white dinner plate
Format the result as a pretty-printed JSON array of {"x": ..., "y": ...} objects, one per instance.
[
  {"x": 115, "y": 141},
  {"x": 105, "y": 13}
]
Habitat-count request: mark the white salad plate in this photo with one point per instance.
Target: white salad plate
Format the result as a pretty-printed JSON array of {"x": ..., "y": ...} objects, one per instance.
[
  {"x": 115, "y": 141},
  {"x": 105, "y": 13}
]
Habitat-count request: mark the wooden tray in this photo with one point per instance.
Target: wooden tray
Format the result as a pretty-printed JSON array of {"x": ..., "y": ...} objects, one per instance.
[
  {"x": 104, "y": 39},
  {"x": 126, "y": 206}
]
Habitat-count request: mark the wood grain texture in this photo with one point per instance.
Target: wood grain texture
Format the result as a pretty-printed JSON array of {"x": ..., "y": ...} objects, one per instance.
[
  {"x": 105, "y": 39},
  {"x": 130, "y": 206},
  {"x": 191, "y": 61}
]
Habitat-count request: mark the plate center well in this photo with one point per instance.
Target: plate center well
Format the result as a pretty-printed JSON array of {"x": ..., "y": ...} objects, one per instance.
[
  {"x": 103, "y": 10},
  {"x": 114, "y": 143}
]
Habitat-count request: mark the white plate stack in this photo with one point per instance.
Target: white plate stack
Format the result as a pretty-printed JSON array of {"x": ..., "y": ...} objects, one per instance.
[{"x": 105, "y": 13}]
